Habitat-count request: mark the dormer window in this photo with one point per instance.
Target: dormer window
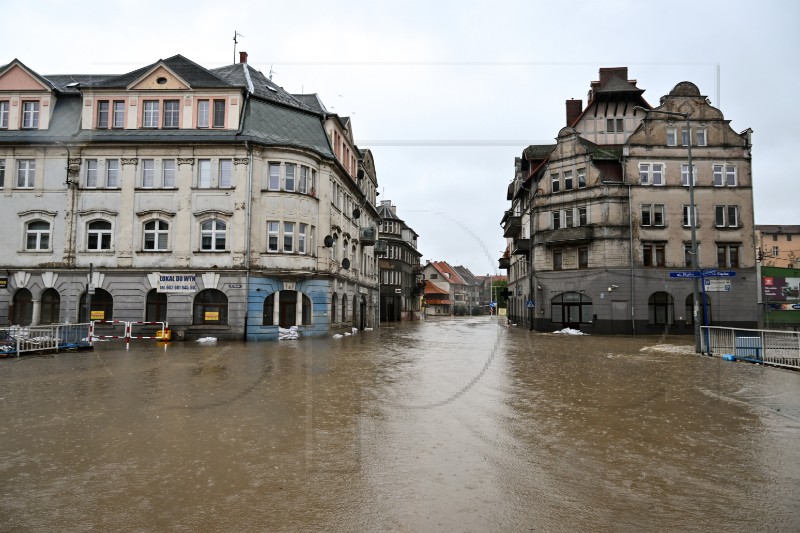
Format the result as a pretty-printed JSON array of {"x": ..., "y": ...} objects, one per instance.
[
  {"x": 171, "y": 113},
  {"x": 150, "y": 117},
  {"x": 161, "y": 81},
  {"x": 30, "y": 115},
  {"x": 4, "y": 114}
]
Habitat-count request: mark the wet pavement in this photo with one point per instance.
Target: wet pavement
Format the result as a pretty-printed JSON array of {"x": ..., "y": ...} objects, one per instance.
[{"x": 452, "y": 424}]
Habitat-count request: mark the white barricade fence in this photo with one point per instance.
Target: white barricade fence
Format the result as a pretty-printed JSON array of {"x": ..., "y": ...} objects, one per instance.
[
  {"x": 49, "y": 337},
  {"x": 772, "y": 347},
  {"x": 127, "y": 332}
]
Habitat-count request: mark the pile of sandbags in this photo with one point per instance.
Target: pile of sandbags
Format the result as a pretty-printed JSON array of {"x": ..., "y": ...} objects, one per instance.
[{"x": 290, "y": 334}]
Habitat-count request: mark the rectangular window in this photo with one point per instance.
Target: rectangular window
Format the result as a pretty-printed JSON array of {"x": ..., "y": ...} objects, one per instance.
[
  {"x": 727, "y": 255},
  {"x": 303, "y": 185},
  {"x": 687, "y": 255},
  {"x": 730, "y": 175},
  {"x": 171, "y": 113},
  {"x": 569, "y": 218},
  {"x": 689, "y": 216},
  {"x": 583, "y": 257},
  {"x": 614, "y": 125},
  {"x": 556, "y": 181},
  {"x": 775, "y": 251},
  {"x": 557, "y": 260},
  {"x": 112, "y": 173},
  {"x": 168, "y": 173},
  {"x": 119, "y": 114},
  {"x": 272, "y": 235},
  {"x": 289, "y": 179},
  {"x": 301, "y": 238},
  {"x": 30, "y": 115},
  {"x": 685, "y": 135},
  {"x": 653, "y": 254},
  {"x": 4, "y": 114},
  {"x": 652, "y": 214},
  {"x": 583, "y": 216},
  {"x": 150, "y": 116},
  {"x": 202, "y": 113},
  {"x": 148, "y": 173},
  {"x": 204, "y": 173},
  {"x": 568, "y": 180},
  {"x": 702, "y": 139},
  {"x": 219, "y": 113},
  {"x": 556, "y": 219},
  {"x": 727, "y": 216},
  {"x": 724, "y": 175},
  {"x": 581, "y": 178},
  {"x": 26, "y": 173},
  {"x": 2, "y": 173},
  {"x": 91, "y": 173},
  {"x": 288, "y": 236},
  {"x": 102, "y": 114},
  {"x": 685, "y": 175},
  {"x": 225, "y": 173},
  {"x": 651, "y": 173},
  {"x": 672, "y": 137},
  {"x": 274, "y": 177}
]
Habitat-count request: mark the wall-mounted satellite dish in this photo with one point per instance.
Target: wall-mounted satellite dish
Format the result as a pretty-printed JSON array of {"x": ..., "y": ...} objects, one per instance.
[
  {"x": 345, "y": 263},
  {"x": 356, "y": 212},
  {"x": 328, "y": 241}
]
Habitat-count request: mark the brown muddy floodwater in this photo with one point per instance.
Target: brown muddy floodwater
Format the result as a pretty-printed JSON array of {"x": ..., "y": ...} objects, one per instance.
[{"x": 445, "y": 425}]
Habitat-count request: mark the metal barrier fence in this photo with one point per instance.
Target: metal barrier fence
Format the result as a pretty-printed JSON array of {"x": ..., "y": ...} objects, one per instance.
[
  {"x": 771, "y": 347},
  {"x": 127, "y": 333},
  {"x": 16, "y": 340}
]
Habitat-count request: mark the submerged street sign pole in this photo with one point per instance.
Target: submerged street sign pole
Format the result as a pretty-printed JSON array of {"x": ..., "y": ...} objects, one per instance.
[{"x": 699, "y": 276}]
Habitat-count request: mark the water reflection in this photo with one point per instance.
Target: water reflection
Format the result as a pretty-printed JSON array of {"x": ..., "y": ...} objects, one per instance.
[{"x": 445, "y": 425}]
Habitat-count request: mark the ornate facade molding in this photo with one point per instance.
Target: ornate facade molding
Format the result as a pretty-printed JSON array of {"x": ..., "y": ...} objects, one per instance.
[
  {"x": 129, "y": 161},
  {"x": 185, "y": 161},
  {"x": 240, "y": 161}
]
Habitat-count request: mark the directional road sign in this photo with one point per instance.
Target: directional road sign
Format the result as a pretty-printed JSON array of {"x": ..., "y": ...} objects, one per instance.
[{"x": 686, "y": 274}]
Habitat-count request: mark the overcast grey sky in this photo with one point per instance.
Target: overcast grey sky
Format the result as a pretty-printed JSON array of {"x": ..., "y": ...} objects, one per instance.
[{"x": 447, "y": 93}]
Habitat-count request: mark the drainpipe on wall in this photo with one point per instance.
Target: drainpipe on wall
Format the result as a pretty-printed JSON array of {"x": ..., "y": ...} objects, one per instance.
[{"x": 248, "y": 224}]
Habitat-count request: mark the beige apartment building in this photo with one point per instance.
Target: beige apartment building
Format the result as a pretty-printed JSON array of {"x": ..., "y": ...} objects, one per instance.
[
  {"x": 600, "y": 227},
  {"x": 778, "y": 246}
]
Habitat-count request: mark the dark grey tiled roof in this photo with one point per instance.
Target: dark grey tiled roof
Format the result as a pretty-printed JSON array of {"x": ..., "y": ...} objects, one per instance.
[
  {"x": 612, "y": 152},
  {"x": 781, "y": 229},
  {"x": 262, "y": 87},
  {"x": 617, "y": 84},
  {"x": 387, "y": 214},
  {"x": 272, "y": 124},
  {"x": 62, "y": 82},
  {"x": 64, "y": 123},
  {"x": 194, "y": 74},
  {"x": 538, "y": 151},
  {"x": 312, "y": 101}
]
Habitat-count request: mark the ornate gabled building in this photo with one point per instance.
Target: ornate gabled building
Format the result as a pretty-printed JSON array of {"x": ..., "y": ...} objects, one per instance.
[
  {"x": 209, "y": 198},
  {"x": 600, "y": 222},
  {"x": 399, "y": 264}
]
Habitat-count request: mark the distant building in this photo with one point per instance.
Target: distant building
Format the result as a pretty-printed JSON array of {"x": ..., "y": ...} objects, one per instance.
[
  {"x": 778, "y": 246},
  {"x": 399, "y": 265},
  {"x": 441, "y": 278},
  {"x": 208, "y": 198},
  {"x": 600, "y": 220}
]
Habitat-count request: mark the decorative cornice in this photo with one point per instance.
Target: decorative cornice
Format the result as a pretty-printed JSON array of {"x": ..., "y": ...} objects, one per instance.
[
  {"x": 240, "y": 161},
  {"x": 88, "y": 212},
  {"x": 37, "y": 212},
  {"x": 151, "y": 212},
  {"x": 207, "y": 212},
  {"x": 185, "y": 161}
]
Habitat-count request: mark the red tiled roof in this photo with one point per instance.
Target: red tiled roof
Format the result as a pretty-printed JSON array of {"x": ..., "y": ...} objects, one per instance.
[{"x": 430, "y": 288}]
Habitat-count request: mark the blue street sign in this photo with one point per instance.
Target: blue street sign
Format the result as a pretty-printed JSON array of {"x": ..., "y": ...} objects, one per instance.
[
  {"x": 530, "y": 304},
  {"x": 689, "y": 274},
  {"x": 714, "y": 273}
]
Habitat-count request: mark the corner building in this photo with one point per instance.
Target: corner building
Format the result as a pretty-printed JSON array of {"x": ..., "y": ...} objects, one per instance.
[
  {"x": 600, "y": 221},
  {"x": 209, "y": 198}
]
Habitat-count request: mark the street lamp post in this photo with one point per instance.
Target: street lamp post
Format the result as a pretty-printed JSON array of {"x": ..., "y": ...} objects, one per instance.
[{"x": 692, "y": 218}]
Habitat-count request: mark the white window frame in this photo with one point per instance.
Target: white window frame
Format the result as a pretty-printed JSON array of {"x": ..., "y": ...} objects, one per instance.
[
  {"x": 569, "y": 218},
  {"x": 726, "y": 216},
  {"x": 112, "y": 173},
  {"x": 581, "y": 178},
  {"x": 653, "y": 211},
  {"x": 583, "y": 216},
  {"x": 148, "y": 173},
  {"x": 288, "y": 237},
  {"x": 273, "y": 176},
  {"x": 302, "y": 230},
  {"x": 685, "y": 174},
  {"x": 555, "y": 182},
  {"x": 203, "y": 173},
  {"x": 172, "y": 116},
  {"x": 101, "y": 244},
  {"x": 103, "y": 114},
  {"x": 225, "y": 173},
  {"x": 5, "y": 106},
  {"x": 555, "y": 219},
  {"x": 39, "y": 234},
  {"x": 651, "y": 174},
  {"x": 203, "y": 113},
  {"x": 30, "y": 114},
  {"x": 303, "y": 184},
  {"x": 218, "y": 116},
  {"x": 168, "y": 172},
  {"x": 118, "y": 114},
  {"x": 701, "y": 135},
  {"x": 92, "y": 172},
  {"x": 568, "y": 183},
  {"x": 688, "y": 219},
  {"x": 150, "y": 114},
  {"x": 26, "y": 173},
  {"x": 160, "y": 229},
  {"x": 213, "y": 228},
  {"x": 290, "y": 177},
  {"x": 273, "y": 235},
  {"x": 672, "y": 136}
]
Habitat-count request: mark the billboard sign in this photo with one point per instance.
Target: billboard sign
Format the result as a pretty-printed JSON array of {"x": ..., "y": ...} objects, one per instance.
[{"x": 777, "y": 289}]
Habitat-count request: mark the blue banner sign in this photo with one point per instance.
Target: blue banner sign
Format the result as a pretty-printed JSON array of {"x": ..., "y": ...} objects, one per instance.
[{"x": 688, "y": 274}]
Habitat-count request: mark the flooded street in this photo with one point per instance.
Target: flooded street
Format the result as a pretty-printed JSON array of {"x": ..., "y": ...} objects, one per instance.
[{"x": 445, "y": 425}]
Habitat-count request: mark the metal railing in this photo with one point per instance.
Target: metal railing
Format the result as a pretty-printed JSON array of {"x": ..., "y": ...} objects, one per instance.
[
  {"x": 770, "y": 347},
  {"x": 16, "y": 340}
]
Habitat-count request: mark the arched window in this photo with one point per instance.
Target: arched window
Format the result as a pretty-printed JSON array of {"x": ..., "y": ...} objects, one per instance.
[
  {"x": 334, "y": 303},
  {"x": 660, "y": 309},
  {"x": 690, "y": 309},
  {"x": 98, "y": 235},
  {"x": 102, "y": 306},
  {"x": 51, "y": 307},
  {"x": 37, "y": 235},
  {"x": 210, "y": 307},
  {"x": 212, "y": 235},
  {"x": 22, "y": 314},
  {"x": 344, "y": 308},
  {"x": 569, "y": 308},
  {"x": 156, "y": 236},
  {"x": 156, "y": 306}
]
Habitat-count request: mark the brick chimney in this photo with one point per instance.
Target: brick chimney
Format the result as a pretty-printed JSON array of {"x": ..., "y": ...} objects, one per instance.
[
  {"x": 242, "y": 57},
  {"x": 574, "y": 108}
]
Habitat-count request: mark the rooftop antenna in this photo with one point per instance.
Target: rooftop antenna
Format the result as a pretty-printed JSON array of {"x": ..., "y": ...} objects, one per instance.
[
  {"x": 271, "y": 72},
  {"x": 235, "y": 42}
]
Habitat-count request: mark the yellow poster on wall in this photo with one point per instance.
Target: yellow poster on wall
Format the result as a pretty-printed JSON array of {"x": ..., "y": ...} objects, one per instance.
[
  {"x": 98, "y": 315},
  {"x": 211, "y": 316}
]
